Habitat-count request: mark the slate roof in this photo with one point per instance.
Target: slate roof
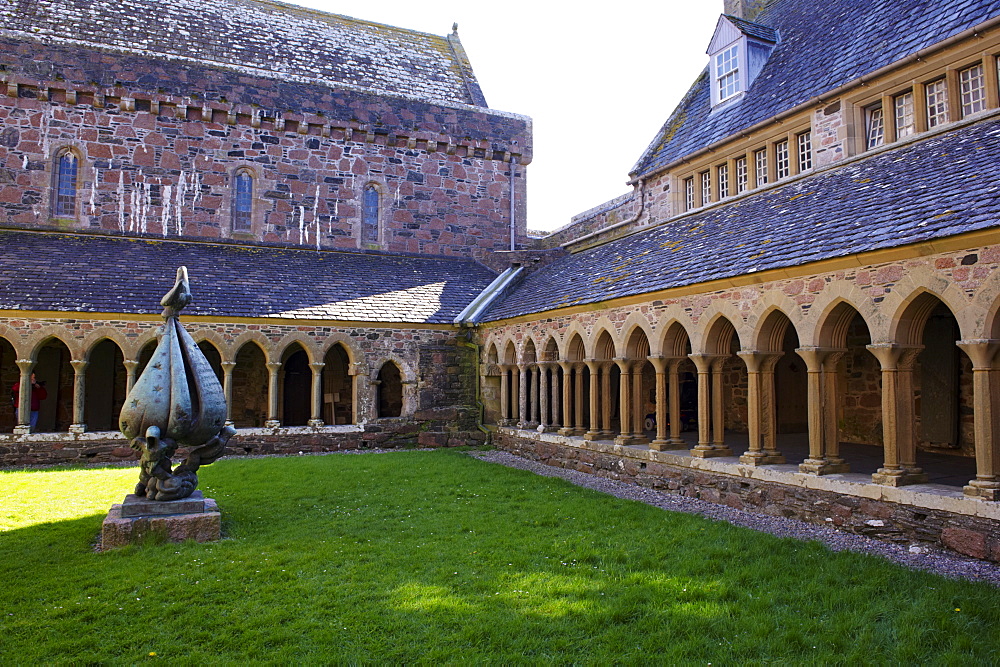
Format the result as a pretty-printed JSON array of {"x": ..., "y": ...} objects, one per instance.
[
  {"x": 754, "y": 30},
  {"x": 79, "y": 273},
  {"x": 943, "y": 185},
  {"x": 822, "y": 46},
  {"x": 272, "y": 36}
]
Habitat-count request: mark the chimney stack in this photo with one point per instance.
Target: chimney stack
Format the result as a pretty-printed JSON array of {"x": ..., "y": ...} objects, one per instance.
[{"x": 744, "y": 9}]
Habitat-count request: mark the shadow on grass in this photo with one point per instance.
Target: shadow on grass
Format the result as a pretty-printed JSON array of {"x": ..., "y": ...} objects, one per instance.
[{"x": 440, "y": 557}]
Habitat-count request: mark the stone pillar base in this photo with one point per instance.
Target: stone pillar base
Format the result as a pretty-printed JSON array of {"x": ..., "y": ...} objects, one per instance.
[
  {"x": 230, "y": 422},
  {"x": 272, "y": 423},
  {"x": 593, "y": 435},
  {"x": 763, "y": 458},
  {"x": 825, "y": 467},
  {"x": 984, "y": 490},
  {"x": 711, "y": 453},
  {"x": 565, "y": 430},
  {"x": 138, "y": 520},
  {"x": 546, "y": 428},
  {"x": 899, "y": 477},
  {"x": 315, "y": 423},
  {"x": 507, "y": 422},
  {"x": 22, "y": 430},
  {"x": 666, "y": 445},
  {"x": 77, "y": 428}
]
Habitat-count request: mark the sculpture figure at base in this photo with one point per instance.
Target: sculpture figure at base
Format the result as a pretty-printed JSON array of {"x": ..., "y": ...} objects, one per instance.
[{"x": 177, "y": 401}]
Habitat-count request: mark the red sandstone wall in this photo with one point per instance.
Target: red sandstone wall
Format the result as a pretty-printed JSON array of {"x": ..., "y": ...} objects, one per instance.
[{"x": 160, "y": 143}]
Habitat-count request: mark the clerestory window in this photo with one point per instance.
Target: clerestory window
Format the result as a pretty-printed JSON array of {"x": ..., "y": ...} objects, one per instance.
[
  {"x": 65, "y": 184},
  {"x": 369, "y": 215},
  {"x": 243, "y": 201}
]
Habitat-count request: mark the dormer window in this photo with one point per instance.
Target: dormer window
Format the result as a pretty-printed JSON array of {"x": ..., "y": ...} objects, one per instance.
[
  {"x": 727, "y": 72},
  {"x": 738, "y": 52}
]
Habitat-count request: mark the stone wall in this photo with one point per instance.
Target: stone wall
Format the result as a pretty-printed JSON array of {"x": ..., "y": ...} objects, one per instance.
[
  {"x": 111, "y": 447},
  {"x": 437, "y": 374},
  {"x": 904, "y": 523},
  {"x": 159, "y": 142},
  {"x": 602, "y": 216}
]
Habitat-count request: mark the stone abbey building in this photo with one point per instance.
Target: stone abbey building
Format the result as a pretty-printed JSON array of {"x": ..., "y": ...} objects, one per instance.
[{"x": 795, "y": 310}]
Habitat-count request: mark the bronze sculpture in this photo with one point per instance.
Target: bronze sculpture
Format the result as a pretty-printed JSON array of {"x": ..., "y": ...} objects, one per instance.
[{"x": 177, "y": 401}]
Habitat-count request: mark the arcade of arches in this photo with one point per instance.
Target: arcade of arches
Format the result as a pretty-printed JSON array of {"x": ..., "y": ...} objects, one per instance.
[
  {"x": 266, "y": 385},
  {"x": 905, "y": 389}
]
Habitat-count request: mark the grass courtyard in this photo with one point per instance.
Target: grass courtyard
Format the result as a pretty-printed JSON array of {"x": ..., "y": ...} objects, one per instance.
[{"x": 438, "y": 557}]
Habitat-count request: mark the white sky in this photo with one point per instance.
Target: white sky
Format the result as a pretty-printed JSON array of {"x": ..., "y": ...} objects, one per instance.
[{"x": 597, "y": 83}]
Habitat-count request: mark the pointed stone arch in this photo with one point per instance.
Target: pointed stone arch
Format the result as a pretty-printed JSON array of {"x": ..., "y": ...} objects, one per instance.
[
  {"x": 706, "y": 336},
  {"x": 350, "y": 347},
  {"x": 603, "y": 324},
  {"x": 286, "y": 343},
  {"x": 634, "y": 322},
  {"x": 904, "y": 305},
  {"x": 255, "y": 337},
  {"x": 37, "y": 341}
]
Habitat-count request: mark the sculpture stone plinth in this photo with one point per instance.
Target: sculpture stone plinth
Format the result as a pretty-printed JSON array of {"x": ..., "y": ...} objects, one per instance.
[{"x": 138, "y": 520}]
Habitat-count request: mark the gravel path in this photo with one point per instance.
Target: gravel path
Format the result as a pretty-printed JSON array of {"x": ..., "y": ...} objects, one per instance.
[{"x": 923, "y": 557}]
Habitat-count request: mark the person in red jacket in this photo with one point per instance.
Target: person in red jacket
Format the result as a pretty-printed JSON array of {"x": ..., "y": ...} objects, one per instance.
[{"x": 38, "y": 394}]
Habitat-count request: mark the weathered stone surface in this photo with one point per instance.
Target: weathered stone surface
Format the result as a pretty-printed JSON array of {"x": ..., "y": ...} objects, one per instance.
[
  {"x": 135, "y": 506},
  {"x": 968, "y": 542},
  {"x": 119, "y": 531}
]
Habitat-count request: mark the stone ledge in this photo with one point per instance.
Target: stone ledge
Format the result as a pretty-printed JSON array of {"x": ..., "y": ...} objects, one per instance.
[
  {"x": 929, "y": 496},
  {"x": 923, "y": 513}
]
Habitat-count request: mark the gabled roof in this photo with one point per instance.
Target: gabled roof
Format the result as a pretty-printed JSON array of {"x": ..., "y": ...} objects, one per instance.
[
  {"x": 262, "y": 35},
  {"x": 754, "y": 30},
  {"x": 83, "y": 273},
  {"x": 822, "y": 47},
  {"x": 937, "y": 187}
]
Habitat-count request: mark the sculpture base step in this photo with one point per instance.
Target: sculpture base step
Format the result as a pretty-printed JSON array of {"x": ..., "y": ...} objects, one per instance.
[{"x": 162, "y": 524}]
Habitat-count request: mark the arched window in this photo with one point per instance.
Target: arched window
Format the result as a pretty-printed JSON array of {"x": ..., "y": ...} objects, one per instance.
[
  {"x": 390, "y": 391},
  {"x": 243, "y": 201},
  {"x": 64, "y": 196},
  {"x": 369, "y": 215}
]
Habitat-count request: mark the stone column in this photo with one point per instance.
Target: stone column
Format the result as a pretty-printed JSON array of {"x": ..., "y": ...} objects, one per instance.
[
  {"x": 227, "y": 388},
  {"x": 130, "y": 368},
  {"x": 316, "y": 418},
  {"x": 504, "y": 396},
  {"x": 24, "y": 397},
  {"x": 758, "y": 407},
  {"x": 567, "y": 398},
  {"x": 624, "y": 402},
  {"x": 660, "y": 442},
  {"x": 769, "y": 409},
  {"x": 543, "y": 397},
  {"x": 813, "y": 356},
  {"x": 522, "y": 397},
  {"x": 535, "y": 417},
  {"x": 703, "y": 364},
  {"x": 273, "y": 368},
  {"x": 594, "y": 432},
  {"x": 897, "y": 415},
  {"x": 674, "y": 414},
  {"x": 831, "y": 439},
  {"x": 578, "y": 428},
  {"x": 986, "y": 414},
  {"x": 79, "y": 395},
  {"x": 556, "y": 397},
  {"x": 638, "y": 404},
  {"x": 606, "y": 431},
  {"x": 719, "y": 447}
]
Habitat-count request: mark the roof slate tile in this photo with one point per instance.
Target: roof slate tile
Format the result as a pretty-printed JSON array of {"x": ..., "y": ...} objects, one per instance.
[
  {"x": 929, "y": 189},
  {"x": 67, "y": 273},
  {"x": 820, "y": 49}
]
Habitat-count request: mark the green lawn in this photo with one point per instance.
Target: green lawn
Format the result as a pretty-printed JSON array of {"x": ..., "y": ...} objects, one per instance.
[{"x": 438, "y": 557}]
